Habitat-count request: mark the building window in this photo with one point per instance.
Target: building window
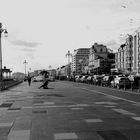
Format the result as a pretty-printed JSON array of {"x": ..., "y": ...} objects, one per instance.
[{"x": 101, "y": 50}]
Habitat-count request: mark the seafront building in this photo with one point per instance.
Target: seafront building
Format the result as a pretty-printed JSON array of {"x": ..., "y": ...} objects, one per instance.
[
  {"x": 127, "y": 59},
  {"x": 77, "y": 57}
]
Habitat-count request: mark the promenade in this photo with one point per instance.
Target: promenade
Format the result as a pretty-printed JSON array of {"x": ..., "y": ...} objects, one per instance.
[{"x": 68, "y": 111}]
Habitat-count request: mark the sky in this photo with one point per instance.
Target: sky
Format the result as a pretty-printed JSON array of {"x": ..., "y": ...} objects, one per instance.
[{"x": 42, "y": 31}]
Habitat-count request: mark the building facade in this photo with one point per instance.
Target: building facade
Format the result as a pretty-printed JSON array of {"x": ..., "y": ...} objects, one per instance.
[
  {"x": 97, "y": 52},
  {"x": 128, "y": 55},
  {"x": 136, "y": 51},
  {"x": 128, "y": 61},
  {"x": 77, "y": 58},
  {"x": 121, "y": 58}
]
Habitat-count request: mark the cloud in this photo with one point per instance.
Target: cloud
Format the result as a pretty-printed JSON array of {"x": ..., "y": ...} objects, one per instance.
[
  {"x": 28, "y": 50},
  {"x": 24, "y": 43},
  {"x": 30, "y": 56},
  {"x": 113, "y": 45}
]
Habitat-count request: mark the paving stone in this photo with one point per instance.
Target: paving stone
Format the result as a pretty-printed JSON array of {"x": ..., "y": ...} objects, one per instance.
[
  {"x": 65, "y": 136},
  {"x": 93, "y": 120},
  {"x": 56, "y": 95},
  {"x": 83, "y": 105},
  {"x": 3, "y": 109},
  {"x": 22, "y": 123},
  {"x": 39, "y": 111},
  {"x": 49, "y": 103},
  {"x": 124, "y": 112},
  {"x": 38, "y": 104},
  {"x": 91, "y": 135},
  {"x": 108, "y": 103},
  {"x": 132, "y": 134},
  {"x": 10, "y": 101},
  {"x": 26, "y": 107},
  {"x": 19, "y": 135},
  {"x": 79, "y": 105},
  {"x": 6, "y": 124},
  {"x": 112, "y": 135},
  {"x": 14, "y": 109},
  {"x": 46, "y": 106},
  {"x": 4, "y": 131},
  {"x": 6, "y": 105},
  {"x": 110, "y": 106},
  {"x": 136, "y": 118},
  {"x": 112, "y": 97},
  {"x": 77, "y": 108}
]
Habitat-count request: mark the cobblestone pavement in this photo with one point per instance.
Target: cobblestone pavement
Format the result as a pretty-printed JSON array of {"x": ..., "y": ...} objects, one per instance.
[{"x": 66, "y": 111}]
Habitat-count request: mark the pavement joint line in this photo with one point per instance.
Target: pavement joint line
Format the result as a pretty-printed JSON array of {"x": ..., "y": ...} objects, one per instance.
[
  {"x": 111, "y": 95},
  {"x": 124, "y": 112},
  {"x": 65, "y": 136}
]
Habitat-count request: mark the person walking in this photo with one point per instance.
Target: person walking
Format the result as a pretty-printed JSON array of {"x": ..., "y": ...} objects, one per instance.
[{"x": 29, "y": 80}]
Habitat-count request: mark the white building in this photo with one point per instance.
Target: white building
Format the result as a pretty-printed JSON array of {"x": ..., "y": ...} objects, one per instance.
[
  {"x": 77, "y": 56},
  {"x": 97, "y": 51},
  {"x": 136, "y": 51}
]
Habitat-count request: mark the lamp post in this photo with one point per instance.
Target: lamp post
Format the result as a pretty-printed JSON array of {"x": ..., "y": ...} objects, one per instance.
[
  {"x": 25, "y": 62},
  {"x": 68, "y": 55},
  {"x": 6, "y": 33}
]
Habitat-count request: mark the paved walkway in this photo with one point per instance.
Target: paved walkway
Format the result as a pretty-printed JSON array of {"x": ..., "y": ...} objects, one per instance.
[{"x": 65, "y": 111}]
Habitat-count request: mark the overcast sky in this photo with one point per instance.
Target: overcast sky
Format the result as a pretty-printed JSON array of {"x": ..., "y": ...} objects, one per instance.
[{"x": 42, "y": 31}]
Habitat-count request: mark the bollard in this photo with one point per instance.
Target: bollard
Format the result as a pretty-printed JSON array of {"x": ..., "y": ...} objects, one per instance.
[
  {"x": 139, "y": 86},
  {"x": 124, "y": 84},
  {"x": 131, "y": 85}
]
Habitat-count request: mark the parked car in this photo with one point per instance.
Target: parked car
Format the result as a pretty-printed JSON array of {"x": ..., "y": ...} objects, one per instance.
[
  {"x": 51, "y": 78},
  {"x": 38, "y": 78},
  {"x": 89, "y": 80},
  {"x": 83, "y": 78},
  {"x": 135, "y": 83},
  {"x": 97, "y": 79},
  {"x": 106, "y": 80},
  {"x": 77, "y": 78},
  {"x": 121, "y": 82},
  {"x": 131, "y": 77}
]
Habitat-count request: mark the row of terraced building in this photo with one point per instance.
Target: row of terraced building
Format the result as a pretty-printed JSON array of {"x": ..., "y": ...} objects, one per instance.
[{"x": 127, "y": 58}]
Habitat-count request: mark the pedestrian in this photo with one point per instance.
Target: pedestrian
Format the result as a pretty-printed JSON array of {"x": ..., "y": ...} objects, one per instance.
[
  {"x": 45, "y": 82},
  {"x": 29, "y": 80}
]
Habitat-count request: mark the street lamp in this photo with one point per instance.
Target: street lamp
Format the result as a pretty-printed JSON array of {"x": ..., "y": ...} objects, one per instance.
[
  {"x": 6, "y": 34},
  {"x": 68, "y": 55},
  {"x": 25, "y": 62}
]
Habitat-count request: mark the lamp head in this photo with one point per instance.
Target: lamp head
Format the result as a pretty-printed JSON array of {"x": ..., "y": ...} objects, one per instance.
[{"x": 5, "y": 33}]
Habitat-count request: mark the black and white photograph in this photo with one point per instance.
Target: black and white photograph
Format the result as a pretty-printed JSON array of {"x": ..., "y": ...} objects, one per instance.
[{"x": 69, "y": 69}]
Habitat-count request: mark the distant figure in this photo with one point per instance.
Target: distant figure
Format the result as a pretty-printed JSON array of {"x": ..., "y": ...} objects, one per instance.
[
  {"x": 29, "y": 80},
  {"x": 45, "y": 82}
]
